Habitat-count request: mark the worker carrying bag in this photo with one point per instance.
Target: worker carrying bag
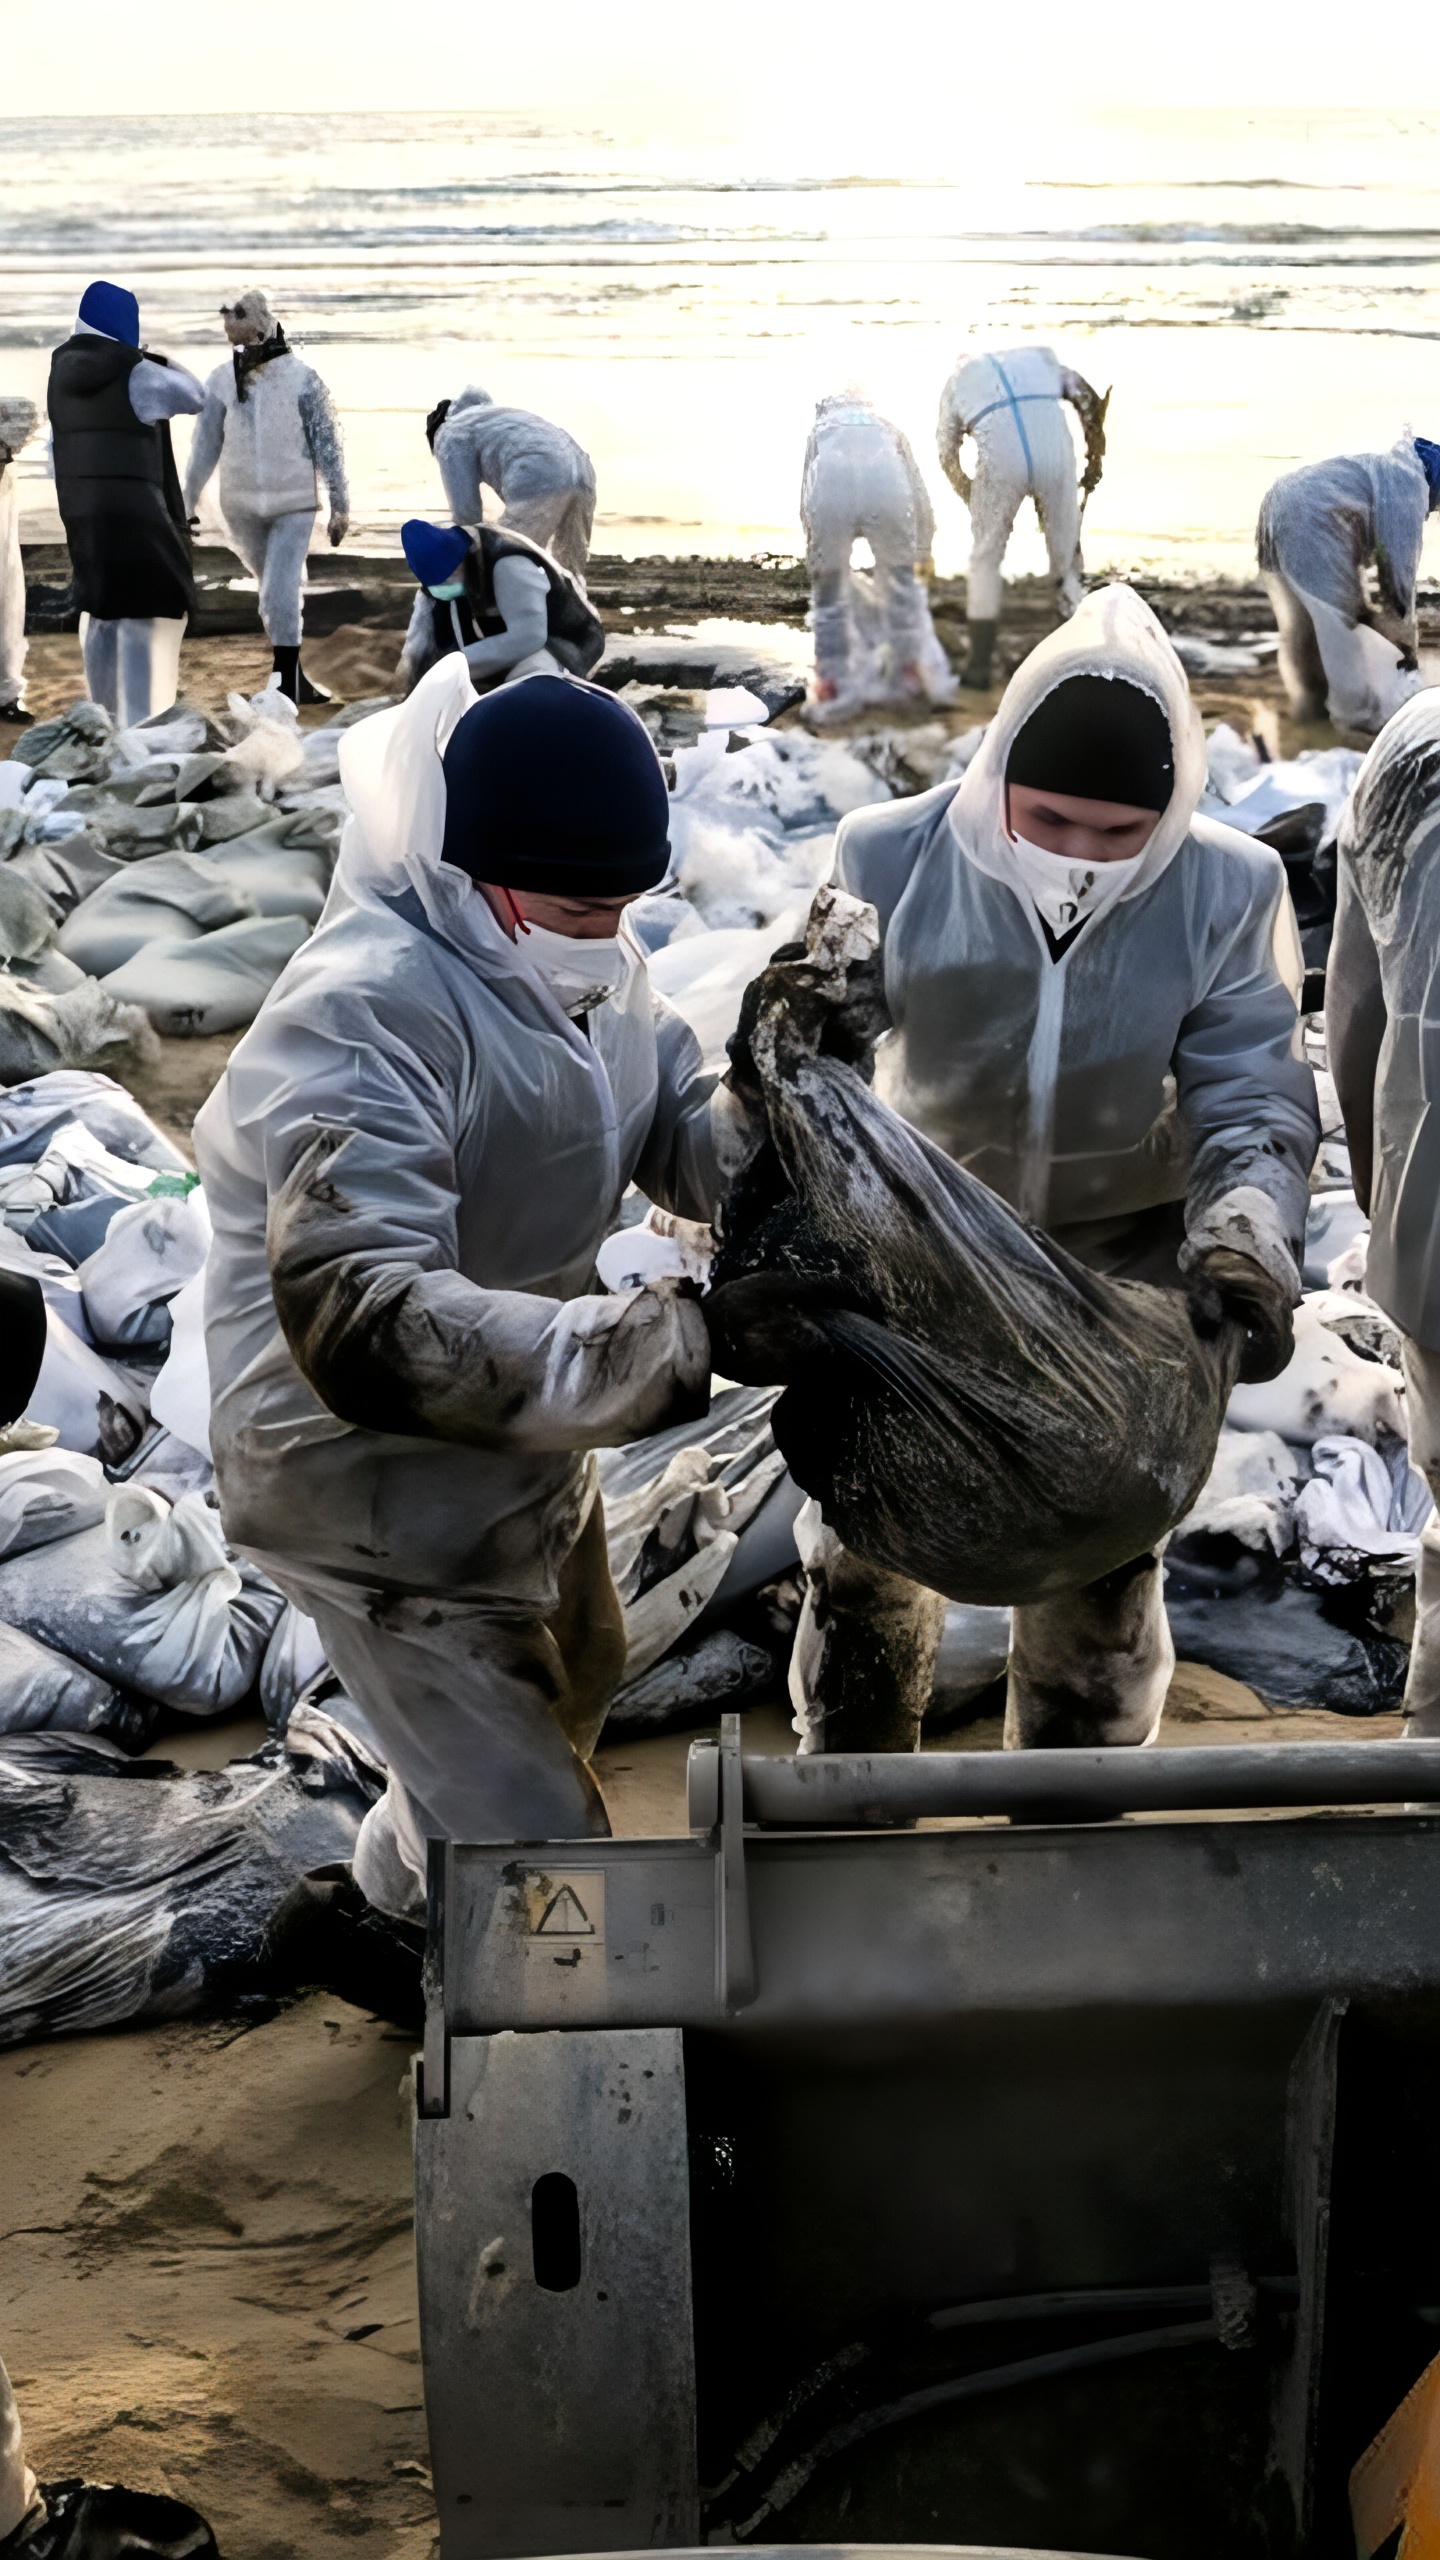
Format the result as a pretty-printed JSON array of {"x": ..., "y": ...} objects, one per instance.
[{"x": 970, "y": 1406}]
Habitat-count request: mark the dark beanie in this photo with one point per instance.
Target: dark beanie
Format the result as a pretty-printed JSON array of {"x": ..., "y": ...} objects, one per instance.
[
  {"x": 1097, "y": 738},
  {"x": 554, "y": 785},
  {"x": 23, "y": 1328}
]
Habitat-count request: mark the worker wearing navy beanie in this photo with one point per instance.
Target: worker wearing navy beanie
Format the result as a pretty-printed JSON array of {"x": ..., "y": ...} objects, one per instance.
[{"x": 413, "y": 1160}]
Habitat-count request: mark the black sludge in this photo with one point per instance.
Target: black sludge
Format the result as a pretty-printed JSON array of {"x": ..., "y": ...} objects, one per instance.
[{"x": 971, "y": 1407}]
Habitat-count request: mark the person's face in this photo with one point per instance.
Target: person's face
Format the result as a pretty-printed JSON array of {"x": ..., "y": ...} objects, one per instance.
[
  {"x": 1078, "y": 830},
  {"x": 579, "y": 919},
  {"x": 241, "y": 332}
]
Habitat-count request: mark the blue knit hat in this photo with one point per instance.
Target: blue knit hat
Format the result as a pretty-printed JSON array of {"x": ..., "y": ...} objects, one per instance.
[
  {"x": 554, "y": 785},
  {"x": 109, "y": 308},
  {"x": 434, "y": 551},
  {"x": 1430, "y": 457}
]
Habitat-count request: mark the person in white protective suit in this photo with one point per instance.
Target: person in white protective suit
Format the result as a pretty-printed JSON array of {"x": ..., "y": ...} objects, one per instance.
[
  {"x": 1093, "y": 999},
  {"x": 861, "y": 482},
  {"x": 1010, "y": 406},
  {"x": 269, "y": 423},
  {"x": 18, "y": 421},
  {"x": 1382, "y": 1005},
  {"x": 411, "y": 1163},
  {"x": 504, "y": 604},
  {"x": 544, "y": 480},
  {"x": 110, "y": 403},
  {"x": 1322, "y": 529}
]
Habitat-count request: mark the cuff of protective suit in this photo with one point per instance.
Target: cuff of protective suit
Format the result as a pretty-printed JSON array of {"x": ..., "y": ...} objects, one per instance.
[{"x": 1243, "y": 1221}]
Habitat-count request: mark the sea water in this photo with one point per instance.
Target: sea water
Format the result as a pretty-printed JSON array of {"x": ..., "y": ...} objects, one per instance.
[{"x": 1256, "y": 289}]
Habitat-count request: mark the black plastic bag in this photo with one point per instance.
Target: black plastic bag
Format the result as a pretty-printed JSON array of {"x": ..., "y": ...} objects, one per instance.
[
  {"x": 970, "y": 1406},
  {"x": 90, "y": 2520}
]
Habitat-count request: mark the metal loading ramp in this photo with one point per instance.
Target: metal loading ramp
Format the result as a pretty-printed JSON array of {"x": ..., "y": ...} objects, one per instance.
[{"x": 1027, "y": 2147}]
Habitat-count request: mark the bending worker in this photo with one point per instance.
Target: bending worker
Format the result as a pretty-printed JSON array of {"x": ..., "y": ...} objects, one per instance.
[
  {"x": 1093, "y": 1000},
  {"x": 1010, "y": 404},
  {"x": 1322, "y": 529},
  {"x": 544, "y": 480},
  {"x": 18, "y": 421},
  {"x": 110, "y": 404},
  {"x": 1380, "y": 1009},
  {"x": 503, "y": 603},
  {"x": 861, "y": 483},
  {"x": 270, "y": 424},
  {"x": 412, "y": 1160}
]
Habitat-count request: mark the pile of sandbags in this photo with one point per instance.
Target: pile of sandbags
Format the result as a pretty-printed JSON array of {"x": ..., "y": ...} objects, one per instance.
[{"x": 158, "y": 880}]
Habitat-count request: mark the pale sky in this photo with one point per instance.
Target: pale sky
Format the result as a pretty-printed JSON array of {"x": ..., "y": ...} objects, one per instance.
[{"x": 928, "y": 74}]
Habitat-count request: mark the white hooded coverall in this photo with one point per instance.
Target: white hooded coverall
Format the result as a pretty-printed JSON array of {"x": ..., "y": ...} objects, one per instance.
[
  {"x": 1320, "y": 529},
  {"x": 1140, "y": 1098},
  {"x": 543, "y": 478},
  {"x": 861, "y": 482},
  {"x": 1382, "y": 1019},
  {"x": 270, "y": 446},
  {"x": 18, "y": 421},
  {"x": 1010, "y": 404},
  {"x": 415, "y": 1155}
]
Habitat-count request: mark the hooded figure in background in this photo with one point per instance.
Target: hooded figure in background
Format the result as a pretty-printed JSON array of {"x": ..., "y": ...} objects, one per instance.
[
  {"x": 1093, "y": 999},
  {"x": 544, "y": 480},
  {"x": 861, "y": 482},
  {"x": 18, "y": 421},
  {"x": 1321, "y": 529},
  {"x": 1011, "y": 405},
  {"x": 110, "y": 405},
  {"x": 1382, "y": 1023},
  {"x": 504, "y": 604},
  {"x": 411, "y": 1162},
  {"x": 270, "y": 424}
]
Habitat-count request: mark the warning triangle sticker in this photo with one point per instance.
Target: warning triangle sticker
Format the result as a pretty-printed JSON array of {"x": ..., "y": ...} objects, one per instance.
[{"x": 564, "y": 1916}]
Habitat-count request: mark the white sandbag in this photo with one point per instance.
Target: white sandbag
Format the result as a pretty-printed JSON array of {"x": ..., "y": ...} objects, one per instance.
[
  {"x": 270, "y": 877},
  {"x": 32, "y": 1114},
  {"x": 218, "y": 983},
  {"x": 47, "y": 1494},
  {"x": 15, "y": 780},
  {"x": 152, "y": 1601},
  {"x": 44, "y": 1692},
  {"x": 171, "y": 1466},
  {"x": 1326, "y": 1389},
  {"x": 660, "y": 1246},
  {"x": 151, "y": 1250},
  {"x": 704, "y": 977},
  {"x": 1361, "y": 1503},
  {"x": 180, "y": 1396},
  {"x": 294, "y": 1657},
  {"x": 675, "y": 1507},
  {"x": 184, "y": 735},
  {"x": 1251, "y": 1493},
  {"x": 92, "y": 1407},
  {"x": 1334, "y": 1223},
  {"x": 167, "y": 897}
]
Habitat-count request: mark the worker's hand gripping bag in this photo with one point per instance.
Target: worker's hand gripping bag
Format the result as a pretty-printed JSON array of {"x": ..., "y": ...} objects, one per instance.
[{"x": 970, "y": 1406}]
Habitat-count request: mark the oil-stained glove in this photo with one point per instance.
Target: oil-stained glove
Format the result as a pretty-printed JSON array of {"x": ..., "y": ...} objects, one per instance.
[
  {"x": 1228, "y": 1287},
  {"x": 743, "y": 1078},
  {"x": 849, "y": 1029},
  {"x": 765, "y": 1329},
  {"x": 338, "y": 526}
]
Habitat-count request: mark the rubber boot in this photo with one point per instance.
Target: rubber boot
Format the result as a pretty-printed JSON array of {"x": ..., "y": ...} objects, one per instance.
[
  {"x": 976, "y": 678},
  {"x": 294, "y": 682}
]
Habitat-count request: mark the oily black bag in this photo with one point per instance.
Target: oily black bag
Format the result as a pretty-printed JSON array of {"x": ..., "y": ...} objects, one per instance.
[{"x": 970, "y": 1406}]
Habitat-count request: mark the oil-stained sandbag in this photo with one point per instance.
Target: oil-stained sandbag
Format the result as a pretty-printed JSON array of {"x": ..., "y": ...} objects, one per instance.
[
  {"x": 93, "y": 1407},
  {"x": 970, "y": 1406},
  {"x": 149, "y": 1253},
  {"x": 153, "y": 1601},
  {"x": 131, "y": 1890},
  {"x": 42, "y": 1691},
  {"x": 168, "y": 896},
  {"x": 218, "y": 983},
  {"x": 47, "y": 1494},
  {"x": 76, "y": 1028},
  {"x": 33, "y": 1114}
]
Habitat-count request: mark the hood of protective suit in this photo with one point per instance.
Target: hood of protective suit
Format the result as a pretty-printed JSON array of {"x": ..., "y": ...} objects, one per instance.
[
  {"x": 392, "y": 768},
  {"x": 1113, "y": 633}
]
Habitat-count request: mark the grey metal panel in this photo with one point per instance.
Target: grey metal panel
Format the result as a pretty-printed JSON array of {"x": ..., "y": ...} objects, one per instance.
[
  {"x": 559, "y": 2420},
  {"x": 903, "y": 1924}
]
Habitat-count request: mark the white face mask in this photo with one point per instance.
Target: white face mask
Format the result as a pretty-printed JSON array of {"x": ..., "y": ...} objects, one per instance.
[
  {"x": 579, "y": 975},
  {"x": 1065, "y": 893}
]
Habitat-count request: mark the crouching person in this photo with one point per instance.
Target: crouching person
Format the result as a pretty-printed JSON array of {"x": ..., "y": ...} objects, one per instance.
[
  {"x": 1093, "y": 1000},
  {"x": 412, "y": 1160},
  {"x": 505, "y": 605}
]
